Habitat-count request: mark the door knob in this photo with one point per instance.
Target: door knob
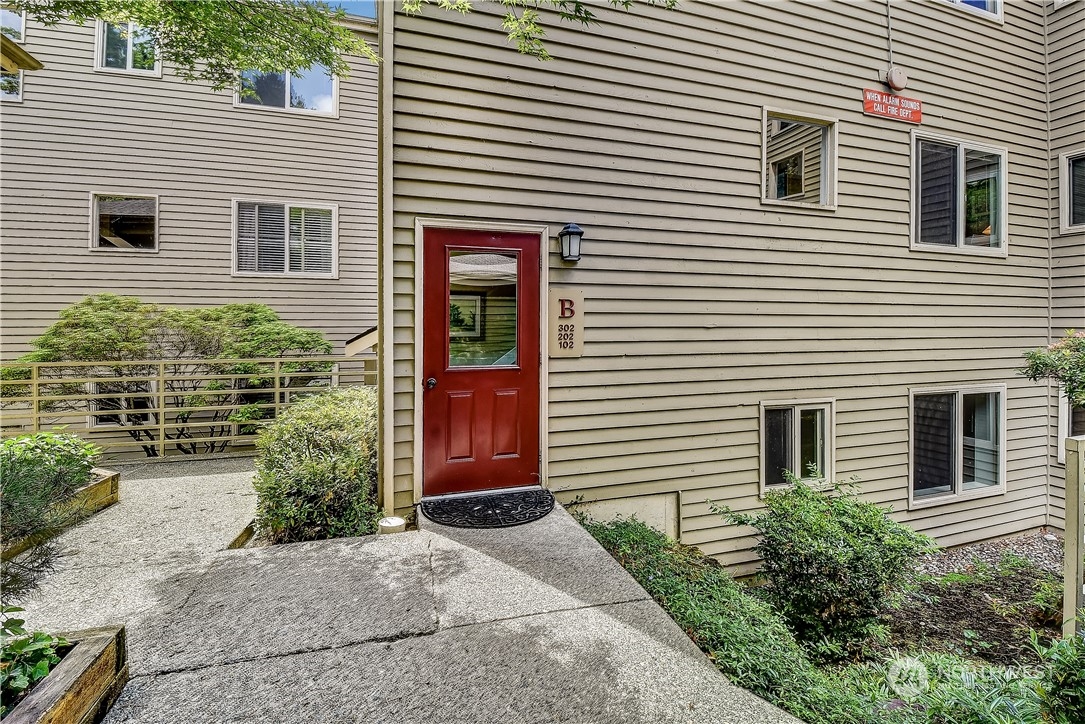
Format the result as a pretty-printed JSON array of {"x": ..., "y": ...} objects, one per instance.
[{"x": 431, "y": 383}]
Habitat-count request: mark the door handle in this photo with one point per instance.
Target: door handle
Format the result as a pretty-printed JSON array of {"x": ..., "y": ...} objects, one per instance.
[{"x": 430, "y": 383}]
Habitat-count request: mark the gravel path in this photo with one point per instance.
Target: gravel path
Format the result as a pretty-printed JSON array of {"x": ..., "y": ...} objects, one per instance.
[{"x": 1042, "y": 548}]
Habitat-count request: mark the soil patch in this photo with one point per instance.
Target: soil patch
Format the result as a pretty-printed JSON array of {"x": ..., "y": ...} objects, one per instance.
[{"x": 981, "y": 612}]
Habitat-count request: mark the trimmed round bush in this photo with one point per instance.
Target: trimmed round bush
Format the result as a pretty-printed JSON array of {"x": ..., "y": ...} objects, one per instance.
[
  {"x": 831, "y": 560},
  {"x": 316, "y": 476}
]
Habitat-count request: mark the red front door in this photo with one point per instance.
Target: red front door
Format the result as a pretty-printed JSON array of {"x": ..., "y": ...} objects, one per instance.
[{"x": 480, "y": 361}]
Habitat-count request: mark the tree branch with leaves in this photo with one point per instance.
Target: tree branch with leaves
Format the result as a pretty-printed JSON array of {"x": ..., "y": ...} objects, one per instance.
[
  {"x": 1062, "y": 361},
  {"x": 214, "y": 41}
]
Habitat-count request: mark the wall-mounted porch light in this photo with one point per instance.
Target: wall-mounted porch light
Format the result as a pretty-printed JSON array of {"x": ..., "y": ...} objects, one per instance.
[{"x": 570, "y": 236}]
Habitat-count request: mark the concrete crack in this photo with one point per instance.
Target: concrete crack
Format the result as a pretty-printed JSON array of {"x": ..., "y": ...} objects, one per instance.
[{"x": 402, "y": 636}]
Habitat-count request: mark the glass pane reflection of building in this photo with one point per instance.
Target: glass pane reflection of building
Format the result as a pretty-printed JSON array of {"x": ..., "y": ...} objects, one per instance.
[{"x": 482, "y": 309}]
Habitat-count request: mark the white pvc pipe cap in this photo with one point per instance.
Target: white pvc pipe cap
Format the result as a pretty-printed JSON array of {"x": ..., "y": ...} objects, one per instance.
[{"x": 392, "y": 524}]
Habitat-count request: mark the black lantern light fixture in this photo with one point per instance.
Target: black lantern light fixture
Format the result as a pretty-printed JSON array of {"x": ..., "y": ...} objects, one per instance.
[{"x": 570, "y": 236}]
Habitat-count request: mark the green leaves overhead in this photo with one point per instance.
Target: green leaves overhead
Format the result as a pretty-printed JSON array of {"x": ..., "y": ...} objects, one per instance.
[{"x": 213, "y": 41}]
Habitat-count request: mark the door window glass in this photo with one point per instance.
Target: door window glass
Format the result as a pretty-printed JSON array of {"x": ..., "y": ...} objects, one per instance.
[{"x": 482, "y": 309}]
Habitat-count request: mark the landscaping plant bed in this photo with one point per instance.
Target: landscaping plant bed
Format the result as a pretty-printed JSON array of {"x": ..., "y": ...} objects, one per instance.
[
  {"x": 83, "y": 686},
  {"x": 956, "y": 650}
]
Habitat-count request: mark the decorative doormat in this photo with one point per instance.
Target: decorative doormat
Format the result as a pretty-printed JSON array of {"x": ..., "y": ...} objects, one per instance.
[{"x": 497, "y": 510}]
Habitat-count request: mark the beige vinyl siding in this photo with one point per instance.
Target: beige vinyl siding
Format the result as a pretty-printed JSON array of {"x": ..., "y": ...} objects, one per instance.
[
  {"x": 701, "y": 302},
  {"x": 1066, "y": 68},
  {"x": 79, "y": 132}
]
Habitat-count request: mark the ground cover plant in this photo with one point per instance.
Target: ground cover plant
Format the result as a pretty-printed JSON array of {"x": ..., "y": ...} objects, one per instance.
[
  {"x": 751, "y": 643},
  {"x": 316, "y": 474}
]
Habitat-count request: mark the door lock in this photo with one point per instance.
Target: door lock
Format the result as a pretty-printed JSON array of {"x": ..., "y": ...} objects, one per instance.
[{"x": 431, "y": 382}]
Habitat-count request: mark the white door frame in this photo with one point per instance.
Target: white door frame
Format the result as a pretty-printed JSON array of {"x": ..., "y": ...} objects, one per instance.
[{"x": 420, "y": 226}]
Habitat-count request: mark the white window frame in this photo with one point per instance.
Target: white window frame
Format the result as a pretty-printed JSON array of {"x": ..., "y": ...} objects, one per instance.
[
  {"x": 995, "y": 17},
  {"x": 334, "y": 208},
  {"x": 1003, "y": 250},
  {"x": 22, "y": 77},
  {"x": 828, "y": 404},
  {"x": 92, "y": 242},
  {"x": 22, "y": 39},
  {"x": 99, "y": 55},
  {"x": 828, "y": 155},
  {"x": 960, "y": 494},
  {"x": 19, "y": 98},
  {"x": 1064, "y": 192},
  {"x": 1061, "y": 3},
  {"x": 290, "y": 109}
]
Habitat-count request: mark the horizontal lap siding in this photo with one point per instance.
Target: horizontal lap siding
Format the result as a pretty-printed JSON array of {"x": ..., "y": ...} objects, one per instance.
[
  {"x": 701, "y": 302},
  {"x": 1066, "y": 62},
  {"x": 78, "y": 131}
]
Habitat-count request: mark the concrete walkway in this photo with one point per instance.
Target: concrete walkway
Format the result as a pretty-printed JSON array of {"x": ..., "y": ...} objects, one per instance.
[
  {"x": 170, "y": 516},
  {"x": 535, "y": 623}
]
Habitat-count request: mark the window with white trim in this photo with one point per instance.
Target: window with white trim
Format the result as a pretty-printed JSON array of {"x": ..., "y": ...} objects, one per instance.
[
  {"x": 127, "y": 48},
  {"x": 124, "y": 223},
  {"x": 1072, "y": 192},
  {"x": 958, "y": 443},
  {"x": 959, "y": 195},
  {"x": 798, "y": 160},
  {"x": 796, "y": 438},
  {"x": 308, "y": 91},
  {"x": 287, "y": 239},
  {"x": 11, "y": 87},
  {"x": 13, "y": 23},
  {"x": 992, "y": 8}
]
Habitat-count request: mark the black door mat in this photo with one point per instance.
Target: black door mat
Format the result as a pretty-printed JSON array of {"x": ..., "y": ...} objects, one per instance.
[{"x": 496, "y": 510}]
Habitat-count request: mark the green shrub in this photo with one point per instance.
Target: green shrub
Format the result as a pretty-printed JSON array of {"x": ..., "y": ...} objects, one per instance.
[
  {"x": 742, "y": 635},
  {"x": 1062, "y": 685},
  {"x": 831, "y": 561},
  {"x": 317, "y": 471},
  {"x": 25, "y": 658},
  {"x": 39, "y": 476}
]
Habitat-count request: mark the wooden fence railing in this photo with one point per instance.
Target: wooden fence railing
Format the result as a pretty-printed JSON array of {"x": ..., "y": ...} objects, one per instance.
[
  {"x": 1074, "y": 591},
  {"x": 158, "y": 408}
]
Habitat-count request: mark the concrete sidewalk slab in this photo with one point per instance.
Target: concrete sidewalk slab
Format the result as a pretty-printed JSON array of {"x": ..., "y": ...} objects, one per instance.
[
  {"x": 118, "y": 563},
  {"x": 600, "y": 665},
  {"x": 535, "y": 623},
  {"x": 270, "y": 602},
  {"x": 486, "y": 575}
]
